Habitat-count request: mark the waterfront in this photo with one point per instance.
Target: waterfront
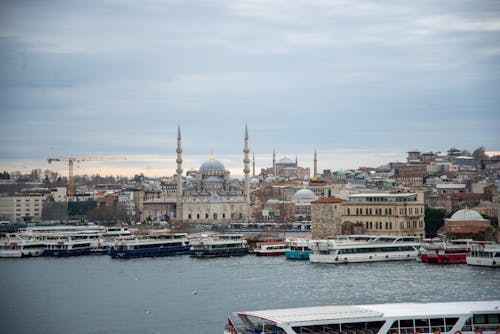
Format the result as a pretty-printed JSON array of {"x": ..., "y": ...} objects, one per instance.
[{"x": 96, "y": 294}]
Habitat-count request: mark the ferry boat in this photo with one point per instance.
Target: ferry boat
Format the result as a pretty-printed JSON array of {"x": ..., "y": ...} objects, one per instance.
[
  {"x": 298, "y": 249},
  {"x": 428, "y": 245},
  {"x": 375, "y": 249},
  {"x": 219, "y": 245},
  {"x": 271, "y": 248},
  {"x": 21, "y": 248},
  {"x": 471, "y": 317},
  {"x": 484, "y": 254},
  {"x": 67, "y": 246},
  {"x": 448, "y": 252},
  {"x": 150, "y": 246}
]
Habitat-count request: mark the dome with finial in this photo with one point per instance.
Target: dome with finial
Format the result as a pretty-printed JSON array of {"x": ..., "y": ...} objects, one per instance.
[
  {"x": 305, "y": 195},
  {"x": 212, "y": 165}
]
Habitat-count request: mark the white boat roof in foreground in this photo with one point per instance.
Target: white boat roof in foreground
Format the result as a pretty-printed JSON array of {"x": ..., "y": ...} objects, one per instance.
[{"x": 321, "y": 314}]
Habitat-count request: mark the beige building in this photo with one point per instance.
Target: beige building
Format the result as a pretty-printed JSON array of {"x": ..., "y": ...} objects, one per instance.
[
  {"x": 20, "y": 208},
  {"x": 326, "y": 217},
  {"x": 384, "y": 214}
]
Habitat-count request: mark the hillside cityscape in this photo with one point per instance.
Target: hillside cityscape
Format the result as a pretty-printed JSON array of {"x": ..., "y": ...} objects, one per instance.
[{"x": 423, "y": 193}]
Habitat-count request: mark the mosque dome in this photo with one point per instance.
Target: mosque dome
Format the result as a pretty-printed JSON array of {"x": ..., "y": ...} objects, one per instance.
[
  {"x": 212, "y": 164},
  {"x": 269, "y": 179},
  {"x": 254, "y": 181},
  {"x": 285, "y": 160},
  {"x": 305, "y": 195},
  {"x": 466, "y": 215}
]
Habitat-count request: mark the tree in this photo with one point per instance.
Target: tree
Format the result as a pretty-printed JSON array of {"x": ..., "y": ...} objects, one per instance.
[
  {"x": 480, "y": 153},
  {"x": 434, "y": 219},
  {"x": 5, "y": 176}
]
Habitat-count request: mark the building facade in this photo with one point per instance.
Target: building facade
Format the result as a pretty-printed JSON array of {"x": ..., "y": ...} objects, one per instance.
[{"x": 384, "y": 214}]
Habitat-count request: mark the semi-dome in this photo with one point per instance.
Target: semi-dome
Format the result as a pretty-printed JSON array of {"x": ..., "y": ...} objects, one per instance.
[
  {"x": 254, "y": 181},
  {"x": 213, "y": 180},
  {"x": 212, "y": 164},
  {"x": 466, "y": 215},
  {"x": 305, "y": 194}
]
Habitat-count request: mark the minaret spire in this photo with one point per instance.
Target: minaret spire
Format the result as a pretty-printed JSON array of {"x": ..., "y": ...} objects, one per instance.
[
  {"x": 315, "y": 164},
  {"x": 253, "y": 169},
  {"x": 274, "y": 162},
  {"x": 246, "y": 169},
  {"x": 178, "y": 214}
]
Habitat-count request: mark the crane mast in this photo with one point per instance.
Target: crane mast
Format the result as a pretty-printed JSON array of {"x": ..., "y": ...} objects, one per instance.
[{"x": 71, "y": 162}]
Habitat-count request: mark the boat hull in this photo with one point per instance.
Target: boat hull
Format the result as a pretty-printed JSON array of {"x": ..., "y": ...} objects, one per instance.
[
  {"x": 148, "y": 252},
  {"x": 66, "y": 252},
  {"x": 295, "y": 255},
  {"x": 269, "y": 253},
  {"x": 339, "y": 259},
  {"x": 483, "y": 262},
  {"x": 206, "y": 253},
  {"x": 444, "y": 259}
]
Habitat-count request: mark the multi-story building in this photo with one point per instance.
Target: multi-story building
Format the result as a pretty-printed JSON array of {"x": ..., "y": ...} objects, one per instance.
[
  {"x": 384, "y": 214},
  {"x": 326, "y": 217}
]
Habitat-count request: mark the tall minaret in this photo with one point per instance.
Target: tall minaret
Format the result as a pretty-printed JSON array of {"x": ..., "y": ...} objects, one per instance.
[
  {"x": 315, "y": 163},
  {"x": 253, "y": 172},
  {"x": 178, "y": 214},
  {"x": 246, "y": 170},
  {"x": 274, "y": 162}
]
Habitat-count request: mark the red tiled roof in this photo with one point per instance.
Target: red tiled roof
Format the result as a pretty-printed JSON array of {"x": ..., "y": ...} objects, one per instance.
[{"x": 328, "y": 200}]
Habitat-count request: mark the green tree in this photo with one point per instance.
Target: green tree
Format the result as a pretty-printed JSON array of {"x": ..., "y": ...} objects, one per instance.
[{"x": 434, "y": 219}]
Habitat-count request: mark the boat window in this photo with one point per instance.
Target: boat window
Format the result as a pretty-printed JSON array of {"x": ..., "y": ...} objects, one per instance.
[
  {"x": 422, "y": 325},
  {"x": 450, "y": 323},
  {"x": 479, "y": 318},
  {"x": 437, "y": 324},
  {"x": 406, "y": 326}
]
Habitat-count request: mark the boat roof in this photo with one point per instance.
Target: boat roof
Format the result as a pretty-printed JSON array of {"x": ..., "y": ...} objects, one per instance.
[{"x": 320, "y": 314}]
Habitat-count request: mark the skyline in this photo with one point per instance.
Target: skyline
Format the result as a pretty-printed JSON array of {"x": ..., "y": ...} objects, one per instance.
[{"x": 362, "y": 83}]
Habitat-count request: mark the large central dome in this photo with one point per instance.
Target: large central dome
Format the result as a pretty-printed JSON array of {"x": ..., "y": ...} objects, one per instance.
[{"x": 212, "y": 164}]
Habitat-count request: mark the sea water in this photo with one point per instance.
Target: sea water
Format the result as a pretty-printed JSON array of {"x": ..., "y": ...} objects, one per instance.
[{"x": 180, "y": 294}]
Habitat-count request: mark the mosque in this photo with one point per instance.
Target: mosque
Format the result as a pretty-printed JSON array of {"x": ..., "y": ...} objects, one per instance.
[{"x": 210, "y": 194}]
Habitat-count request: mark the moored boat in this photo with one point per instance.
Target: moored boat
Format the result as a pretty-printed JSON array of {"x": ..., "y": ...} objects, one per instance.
[
  {"x": 271, "y": 248},
  {"x": 471, "y": 317},
  {"x": 218, "y": 245},
  {"x": 67, "y": 246},
  {"x": 485, "y": 255},
  {"x": 19, "y": 247},
  {"x": 149, "y": 246},
  {"x": 448, "y": 252},
  {"x": 298, "y": 249},
  {"x": 373, "y": 250}
]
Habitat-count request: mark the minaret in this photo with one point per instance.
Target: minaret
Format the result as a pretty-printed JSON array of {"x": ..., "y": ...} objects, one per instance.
[
  {"x": 315, "y": 164},
  {"x": 246, "y": 170},
  {"x": 253, "y": 172},
  {"x": 274, "y": 162},
  {"x": 296, "y": 161},
  {"x": 178, "y": 214}
]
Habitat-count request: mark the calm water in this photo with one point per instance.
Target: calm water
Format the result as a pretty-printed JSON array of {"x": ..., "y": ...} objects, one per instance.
[{"x": 95, "y": 294}]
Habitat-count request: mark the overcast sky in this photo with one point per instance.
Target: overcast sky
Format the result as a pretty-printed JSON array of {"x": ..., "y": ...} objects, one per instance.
[{"x": 360, "y": 81}]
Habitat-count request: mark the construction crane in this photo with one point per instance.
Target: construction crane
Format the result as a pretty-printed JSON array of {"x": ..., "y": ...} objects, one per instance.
[{"x": 71, "y": 161}]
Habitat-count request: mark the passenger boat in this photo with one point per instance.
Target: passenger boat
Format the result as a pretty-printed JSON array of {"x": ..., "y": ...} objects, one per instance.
[
  {"x": 428, "y": 245},
  {"x": 484, "y": 254},
  {"x": 298, "y": 249},
  {"x": 19, "y": 247},
  {"x": 270, "y": 248},
  {"x": 219, "y": 245},
  {"x": 67, "y": 246},
  {"x": 448, "y": 252},
  {"x": 377, "y": 249},
  {"x": 150, "y": 246},
  {"x": 471, "y": 317},
  {"x": 116, "y": 231}
]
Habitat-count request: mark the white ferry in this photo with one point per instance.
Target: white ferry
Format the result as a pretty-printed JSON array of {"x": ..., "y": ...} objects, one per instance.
[
  {"x": 375, "y": 249},
  {"x": 271, "y": 248},
  {"x": 21, "y": 248},
  {"x": 472, "y": 317},
  {"x": 67, "y": 246},
  {"x": 219, "y": 245},
  {"x": 484, "y": 254}
]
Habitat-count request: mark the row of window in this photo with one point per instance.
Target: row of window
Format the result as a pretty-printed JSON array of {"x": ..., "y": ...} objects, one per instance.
[{"x": 233, "y": 216}]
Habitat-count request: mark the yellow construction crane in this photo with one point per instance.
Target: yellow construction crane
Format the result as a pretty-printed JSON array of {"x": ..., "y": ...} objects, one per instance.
[{"x": 71, "y": 161}]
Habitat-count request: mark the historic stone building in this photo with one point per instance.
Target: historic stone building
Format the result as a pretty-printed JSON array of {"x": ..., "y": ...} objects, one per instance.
[
  {"x": 384, "y": 214},
  {"x": 326, "y": 217},
  {"x": 210, "y": 194}
]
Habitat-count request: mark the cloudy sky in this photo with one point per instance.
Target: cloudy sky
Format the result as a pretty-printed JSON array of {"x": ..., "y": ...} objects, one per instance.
[{"x": 360, "y": 81}]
